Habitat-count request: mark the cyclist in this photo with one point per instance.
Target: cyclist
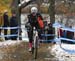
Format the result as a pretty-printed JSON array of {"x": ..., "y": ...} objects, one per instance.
[{"x": 33, "y": 22}]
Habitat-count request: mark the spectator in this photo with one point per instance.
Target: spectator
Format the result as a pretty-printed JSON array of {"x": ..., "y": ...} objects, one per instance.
[
  {"x": 70, "y": 35},
  {"x": 6, "y": 22},
  {"x": 50, "y": 31},
  {"x": 14, "y": 23}
]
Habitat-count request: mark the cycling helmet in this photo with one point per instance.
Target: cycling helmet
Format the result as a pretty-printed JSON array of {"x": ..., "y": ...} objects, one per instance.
[{"x": 34, "y": 10}]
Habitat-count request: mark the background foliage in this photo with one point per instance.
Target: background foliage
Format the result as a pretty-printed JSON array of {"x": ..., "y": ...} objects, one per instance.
[{"x": 5, "y": 5}]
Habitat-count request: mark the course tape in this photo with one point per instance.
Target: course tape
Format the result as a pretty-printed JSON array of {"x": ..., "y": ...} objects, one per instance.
[
  {"x": 13, "y": 35},
  {"x": 68, "y": 50},
  {"x": 66, "y": 39},
  {"x": 9, "y": 35},
  {"x": 12, "y": 27},
  {"x": 9, "y": 27},
  {"x": 58, "y": 25},
  {"x": 47, "y": 34},
  {"x": 68, "y": 29}
]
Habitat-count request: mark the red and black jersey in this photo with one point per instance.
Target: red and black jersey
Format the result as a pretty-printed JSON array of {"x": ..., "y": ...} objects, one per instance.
[{"x": 32, "y": 19}]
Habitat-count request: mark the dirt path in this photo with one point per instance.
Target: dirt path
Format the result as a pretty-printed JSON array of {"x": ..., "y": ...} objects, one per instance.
[{"x": 19, "y": 52}]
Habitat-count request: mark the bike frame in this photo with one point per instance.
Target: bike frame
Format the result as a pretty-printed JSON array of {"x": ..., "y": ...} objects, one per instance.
[{"x": 35, "y": 43}]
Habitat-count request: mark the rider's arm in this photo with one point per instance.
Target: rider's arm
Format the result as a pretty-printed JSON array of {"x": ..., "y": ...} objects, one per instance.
[
  {"x": 40, "y": 16},
  {"x": 28, "y": 25}
]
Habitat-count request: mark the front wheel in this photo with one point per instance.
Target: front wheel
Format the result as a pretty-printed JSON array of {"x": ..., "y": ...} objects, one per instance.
[{"x": 35, "y": 49}]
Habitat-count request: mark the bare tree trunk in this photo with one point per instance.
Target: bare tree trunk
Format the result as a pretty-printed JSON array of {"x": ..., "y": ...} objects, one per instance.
[
  {"x": 39, "y": 2},
  {"x": 52, "y": 12},
  {"x": 17, "y": 11}
]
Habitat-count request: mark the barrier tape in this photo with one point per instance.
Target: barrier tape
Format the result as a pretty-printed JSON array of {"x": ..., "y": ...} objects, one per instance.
[
  {"x": 9, "y": 35},
  {"x": 68, "y": 29},
  {"x": 57, "y": 25},
  {"x": 12, "y": 27},
  {"x": 13, "y": 35},
  {"x": 41, "y": 34},
  {"x": 47, "y": 34},
  {"x": 61, "y": 46},
  {"x": 67, "y": 39},
  {"x": 59, "y": 39},
  {"x": 68, "y": 50},
  {"x": 9, "y": 27}
]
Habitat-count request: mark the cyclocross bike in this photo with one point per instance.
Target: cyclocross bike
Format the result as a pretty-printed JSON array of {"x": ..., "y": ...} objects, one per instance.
[{"x": 35, "y": 43}]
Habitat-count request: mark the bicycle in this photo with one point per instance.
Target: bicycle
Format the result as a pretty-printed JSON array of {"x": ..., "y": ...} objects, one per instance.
[{"x": 35, "y": 43}]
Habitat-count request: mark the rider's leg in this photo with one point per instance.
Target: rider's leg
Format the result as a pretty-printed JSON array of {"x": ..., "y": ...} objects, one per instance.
[
  {"x": 30, "y": 36},
  {"x": 30, "y": 44}
]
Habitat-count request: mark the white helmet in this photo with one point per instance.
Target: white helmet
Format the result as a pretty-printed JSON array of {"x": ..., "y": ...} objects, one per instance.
[{"x": 34, "y": 10}]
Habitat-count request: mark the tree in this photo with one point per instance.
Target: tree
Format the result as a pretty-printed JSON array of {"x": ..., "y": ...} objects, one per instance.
[
  {"x": 52, "y": 12},
  {"x": 5, "y": 5},
  {"x": 17, "y": 10}
]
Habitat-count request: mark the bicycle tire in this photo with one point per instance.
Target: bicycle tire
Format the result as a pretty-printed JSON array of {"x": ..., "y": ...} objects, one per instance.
[{"x": 35, "y": 49}]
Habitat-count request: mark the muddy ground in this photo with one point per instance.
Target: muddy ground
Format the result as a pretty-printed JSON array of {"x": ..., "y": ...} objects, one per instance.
[{"x": 19, "y": 52}]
